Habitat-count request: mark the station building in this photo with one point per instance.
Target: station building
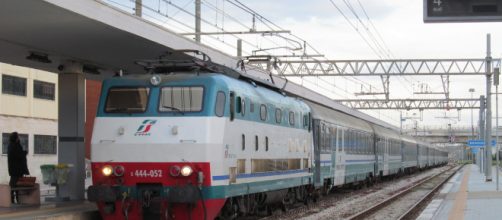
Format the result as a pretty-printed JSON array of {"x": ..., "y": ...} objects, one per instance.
[{"x": 29, "y": 105}]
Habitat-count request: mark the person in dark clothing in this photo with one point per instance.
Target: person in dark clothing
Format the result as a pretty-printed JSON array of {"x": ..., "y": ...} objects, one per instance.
[{"x": 17, "y": 163}]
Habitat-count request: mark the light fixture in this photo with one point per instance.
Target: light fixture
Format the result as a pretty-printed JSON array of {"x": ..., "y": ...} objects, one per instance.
[
  {"x": 107, "y": 170},
  {"x": 186, "y": 170},
  {"x": 155, "y": 80},
  {"x": 39, "y": 57}
]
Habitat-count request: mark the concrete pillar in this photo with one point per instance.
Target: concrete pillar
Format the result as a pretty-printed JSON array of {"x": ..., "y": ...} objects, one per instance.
[{"x": 71, "y": 131}]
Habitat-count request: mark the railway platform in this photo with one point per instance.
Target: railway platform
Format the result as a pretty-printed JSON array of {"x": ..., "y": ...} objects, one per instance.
[
  {"x": 466, "y": 196},
  {"x": 51, "y": 211}
]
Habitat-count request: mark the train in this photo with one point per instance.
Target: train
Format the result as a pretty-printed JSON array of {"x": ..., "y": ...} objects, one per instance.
[{"x": 203, "y": 144}]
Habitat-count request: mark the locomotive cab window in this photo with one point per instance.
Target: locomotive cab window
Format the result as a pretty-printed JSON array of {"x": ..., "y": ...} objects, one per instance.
[
  {"x": 181, "y": 99},
  {"x": 127, "y": 100}
]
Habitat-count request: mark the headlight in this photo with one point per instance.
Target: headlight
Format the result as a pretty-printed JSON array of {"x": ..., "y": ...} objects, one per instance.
[
  {"x": 186, "y": 170},
  {"x": 107, "y": 170}
]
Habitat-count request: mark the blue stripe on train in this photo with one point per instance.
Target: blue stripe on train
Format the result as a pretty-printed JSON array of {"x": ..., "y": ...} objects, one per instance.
[{"x": 250, "y": 175}]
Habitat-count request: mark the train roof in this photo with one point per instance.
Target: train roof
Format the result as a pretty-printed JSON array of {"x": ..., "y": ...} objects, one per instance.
[
  {"x": 410, "y": 139},
  {"x": 339, "y": 118},
  {"x": 383, "y": 131}
]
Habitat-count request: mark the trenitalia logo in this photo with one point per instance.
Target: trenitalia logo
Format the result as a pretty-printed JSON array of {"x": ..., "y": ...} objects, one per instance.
[{"x": 144, "y": 128}]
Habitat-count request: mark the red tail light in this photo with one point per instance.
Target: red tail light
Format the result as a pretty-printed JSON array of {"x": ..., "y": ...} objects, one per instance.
[
  {"x": 175, "y": 170},
  {"x": 118, "y": 170}
]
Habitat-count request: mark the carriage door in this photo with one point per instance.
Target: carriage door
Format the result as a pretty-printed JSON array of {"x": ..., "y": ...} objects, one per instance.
[
  {"x": 317, "y": 153},
  {"x": 385, "y": 143},
  {"x": 340, "y": 158},
  {"x": 375, "y": 150}
]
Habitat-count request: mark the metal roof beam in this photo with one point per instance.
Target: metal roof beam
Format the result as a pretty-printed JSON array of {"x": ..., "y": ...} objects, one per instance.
[
  {"x": 409, "y": 104},
  {"x": 401, "y": 67}
]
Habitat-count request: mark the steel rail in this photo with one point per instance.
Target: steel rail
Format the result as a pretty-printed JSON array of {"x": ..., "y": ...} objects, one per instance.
[
  {"x": 418, "y": 205},
  {"x": 369, "y": 211}
]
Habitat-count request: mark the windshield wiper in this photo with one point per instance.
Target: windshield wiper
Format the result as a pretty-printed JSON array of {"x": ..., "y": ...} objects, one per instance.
[
  {"x": 119, "y": 110},
  {"x": 174, "y": 108}
]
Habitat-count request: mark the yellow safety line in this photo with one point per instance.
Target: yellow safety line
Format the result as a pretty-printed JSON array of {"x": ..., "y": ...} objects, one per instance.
[{"x": 457, "y": 212}]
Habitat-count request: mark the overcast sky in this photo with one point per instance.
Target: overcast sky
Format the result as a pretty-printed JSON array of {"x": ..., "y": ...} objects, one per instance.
[{"x": 399, "y": 23}]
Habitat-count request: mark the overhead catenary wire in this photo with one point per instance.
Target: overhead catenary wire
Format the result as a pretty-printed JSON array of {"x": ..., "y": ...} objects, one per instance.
[
  {"x": 222, "y": 13},
  {"x": 377, "y": 48}
]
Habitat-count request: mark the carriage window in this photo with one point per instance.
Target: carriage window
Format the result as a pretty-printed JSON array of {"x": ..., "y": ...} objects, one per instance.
[
  {"x": 181, "y": 99},
  {"x": 219, "y": 109},
  {"x": 263, "y": 112},
  {"x": 278, "y": 115},
  {"x": 127, "y": 100},
  {"x": 256, "y": 142}
]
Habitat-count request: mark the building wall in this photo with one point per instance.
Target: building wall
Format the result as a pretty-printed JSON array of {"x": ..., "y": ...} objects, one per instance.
[
  {"x": 28, "y": 115},
  {"x": 28, "y": 106},
  {"x": 30, "y": 126}
]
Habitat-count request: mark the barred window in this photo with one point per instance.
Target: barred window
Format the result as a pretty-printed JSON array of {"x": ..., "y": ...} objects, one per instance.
[
  {"x": 13, "y": 85},
  {"x": 23, "y": 138},
  {"x": 45, "y": 144},
  {"x": 44, "y": 90}
]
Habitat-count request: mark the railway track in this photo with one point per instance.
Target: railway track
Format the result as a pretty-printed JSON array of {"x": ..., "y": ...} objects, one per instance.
[
  {"x": 344, "y": 203},
  {"x": 407, "y": 203}
]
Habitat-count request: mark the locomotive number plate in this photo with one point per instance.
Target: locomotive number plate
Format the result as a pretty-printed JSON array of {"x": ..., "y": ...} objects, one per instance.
[{"x": 147, "y": 173}]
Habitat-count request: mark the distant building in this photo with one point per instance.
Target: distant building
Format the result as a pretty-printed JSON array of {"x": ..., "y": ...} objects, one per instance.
[{"x": 29, "y": 105}]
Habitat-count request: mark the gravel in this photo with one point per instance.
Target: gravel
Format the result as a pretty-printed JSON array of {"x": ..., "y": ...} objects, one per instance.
[{"x": 344, "y": 203}]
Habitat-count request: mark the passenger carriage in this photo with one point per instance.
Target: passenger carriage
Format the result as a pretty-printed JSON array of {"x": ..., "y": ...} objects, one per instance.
[
  {"x": 388, "y": 157},
  {"x": 422, "y": 154},
  {"x": 409, "y": 154},
  {"x": 344, "y": 146}
]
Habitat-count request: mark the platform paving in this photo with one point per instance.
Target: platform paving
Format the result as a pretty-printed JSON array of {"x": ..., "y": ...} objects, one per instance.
[
  {"x": 73, "y": 210},
  {"x": 467, "y": 196}
]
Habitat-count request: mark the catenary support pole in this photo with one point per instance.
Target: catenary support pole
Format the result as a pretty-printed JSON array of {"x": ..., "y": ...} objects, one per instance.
[
  {"x": 488, "y": 128},
  {"x": 138, "y": 8},
  {"x": 239, "y": 48},
  {"x": 496, "y": 77},
  {"x": 496, "y": 130},
  {"x": 481, "y": 125},
  {"x": 197, "y": 21}
]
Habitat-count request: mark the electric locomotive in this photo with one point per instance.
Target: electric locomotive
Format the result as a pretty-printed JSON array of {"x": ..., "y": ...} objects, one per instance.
[{"x": 177, "y": 146}]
